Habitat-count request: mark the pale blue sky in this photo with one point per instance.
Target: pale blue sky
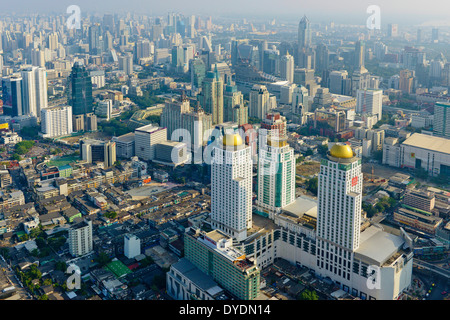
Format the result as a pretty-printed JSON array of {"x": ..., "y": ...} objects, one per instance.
[{"x": 393, "y": 11}]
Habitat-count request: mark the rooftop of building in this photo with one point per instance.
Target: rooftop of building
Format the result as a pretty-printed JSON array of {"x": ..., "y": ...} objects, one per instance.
[
  {"x": 428, "y": 142},
  {"x": 128, "y": 137},
  {"x": 377, "y": 246}
]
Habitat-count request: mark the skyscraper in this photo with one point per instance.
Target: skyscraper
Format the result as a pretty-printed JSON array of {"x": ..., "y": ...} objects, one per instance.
[
  {"x": 198, "y": 71},
  {"x": 338, "y": 212},
  {"x": 98, "y": 151},
  {"x": 231, "y": 98},
  {"x": 12, "y": 95},
  {"x": 81, "y": 90},
  {"x": 231, "y": 187},
  {"x": 287, "y": 67},
  {"x": 441, "y": 120},
  {"x": 211, "y": 98},
  {"x": 276, "y": 175},
  {"x": 359, "y": 54},
  {"x": 305, "y": 58},
  {"x": 56, "y": 121},
  {"x": 126, "y": 63},
  {"x": 94, "y": 39},
  {"x": 258, "y": 101},
  {"x": 369, "y": 101}
]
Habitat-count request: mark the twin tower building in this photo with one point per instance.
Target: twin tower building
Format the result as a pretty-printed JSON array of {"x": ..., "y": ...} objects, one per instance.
[{"x": 364, "y": 261}]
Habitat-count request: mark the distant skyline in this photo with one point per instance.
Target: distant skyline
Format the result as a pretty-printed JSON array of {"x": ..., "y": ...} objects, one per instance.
[{"x": 402, "y": 12}]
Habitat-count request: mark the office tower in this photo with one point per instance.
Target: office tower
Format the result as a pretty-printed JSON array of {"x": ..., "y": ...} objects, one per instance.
[
  {"x": 392, "y": 30},
  {"x": 441, "y": 120},
  {"x": 108, "y": 41},
  {"x": 77, "y": 122},
  {"x": 56, "y": 121},
  {"x": 329, "y": 121},
  {"x": 108, "y": 23},
  {"x": 142, "y": 49},
  {"x": 271, "y": 62},
  {"x": 276, "y": 176},
  {"x": 178, "y": 116},
  {"x": 360, "y": 80},
  {"x": 213, "y": 253},
  {"x": 338, "y": 212},
  {"x": 231, "y": 98},
  {"x": 81, "y": 90},
  {"x": 287, "y": 68},
  {"x": 300, "y": 101},
  {"x": 231, "y": 187},
  {"x": 94, "y": 151},
  {"x": 146, "y": 139},
  {"x": 380, "y": 50},
  {"x": 321, "y": 99},
  {"x": 12, "y": 95},
  {"x": 435, "y": 35},
  {"x": 436, "y": 69},
  {"x": 258, "y": 101},
  {"x": 322, "y": 58},
  {"x": 95, "y": 47},
  {"x": 286, "y": 92},
  {"x": 303, "y": 77},
  {"x": 90, "y": 122},
  {"x": 304, "y": 42},
  {"x": 29, "y": 91},
  {"x": 198, "y": 71},
  {"x": 126, "y": 63},
  {"x": 369, "y": 101},
  {"x": 178, "y": 58},
  {"x": 52, "y": 41},
  {"x": 104, "y": 109},
  {"x": 37, "y": 58},
  {"x": 40, "y": 75},
  {"x": 212, "y": 96},
  {"x": 131, "y": 246},
  {"x": 337, "y": 81},
  {"x": 406, "y": 81},
  {"x": 240, "y": 114},
  {"x": 419, "y": 36},
  {"x": 80, "y": 238},
  {"x": 360, "y": 51}
]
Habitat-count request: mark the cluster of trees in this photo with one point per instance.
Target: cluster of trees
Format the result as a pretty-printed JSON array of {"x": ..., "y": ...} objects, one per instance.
[
  {"x": 308, "y": 295},
  {"x": 110, "y": 214},
  {"x": 382, "y": 205},
  {"x": 146, "y": 100},
  {"x": 312, "y": 185},
  {"x": 32, "y": 132},
  {"x": 24, "y": 146},
  {"x": 114, "y": 127}
]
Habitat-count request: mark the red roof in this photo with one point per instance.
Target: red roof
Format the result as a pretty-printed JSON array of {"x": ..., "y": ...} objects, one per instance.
[{"x": 133, "y": 266}]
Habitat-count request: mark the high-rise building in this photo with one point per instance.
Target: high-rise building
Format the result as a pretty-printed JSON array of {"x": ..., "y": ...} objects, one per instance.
[
  {"x": 211, "y": 98},
  {"x": 304, "y": 44},
  {"x": 231, "y": 187},
  {"x": 231, "y": 98},
  {"x": 132, "y": 246},
  {"x": 12, "y": 95},
  {"x": 435, "y": 35},
  {"x": 80, "y": 238},
  {"x": 94, "y": 151},
  {"x": 198, "y": 71},
  {"x": 392, "y": 31},
  {"x": 213, "y": 253},
  {"x": 360, "y": 53},
  {"x": 276, "y": 176},
  {"x": 95, "y": 46},
  {"x": 369, "y": 101},
  {"x": 56, "y": 121},
  {"x": 337, "y": 81},
  {"x": 258, "y": 101},
  {"x": 300, "y": 103},
  {"x": 406, "y": 81},
  {"x": 287, "y": 67},
  {"x": 146, "y": 139},
  {"x": 104, "y": 109},
  {"x": 81, "y": 90},
  {"x": 441, "y": 120},
  {"x": 126, "y": 63}
]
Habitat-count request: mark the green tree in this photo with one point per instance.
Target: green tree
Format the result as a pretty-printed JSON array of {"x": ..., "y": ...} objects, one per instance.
[
  {"x": 103, "y": 259},
  {"x": 312, "y": 185},
  {"x": 308, "y": 295},
  {"x": 16, "y": 157}
]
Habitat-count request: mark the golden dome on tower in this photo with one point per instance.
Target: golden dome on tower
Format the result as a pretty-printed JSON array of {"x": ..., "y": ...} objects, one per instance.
[
  {"x": 341, "y": 150},
  {"x": 232, "y": 140}
]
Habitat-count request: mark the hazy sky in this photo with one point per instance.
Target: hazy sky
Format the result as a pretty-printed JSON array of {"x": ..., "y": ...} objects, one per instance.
[{"x": 411, "y": 12}]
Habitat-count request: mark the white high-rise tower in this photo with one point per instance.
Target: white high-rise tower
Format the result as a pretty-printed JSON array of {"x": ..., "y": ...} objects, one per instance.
[
  {"x": 339, "y": 211},
  {"x": 287, "y": 68},
  {"x": 231, "y": 187}
]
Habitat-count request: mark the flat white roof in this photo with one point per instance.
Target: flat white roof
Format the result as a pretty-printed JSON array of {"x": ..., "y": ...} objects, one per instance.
[
  {"x": 378, "y": 246},
  {"x": 303, "y": 205},
  {"x": 428, "y": 142}
]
